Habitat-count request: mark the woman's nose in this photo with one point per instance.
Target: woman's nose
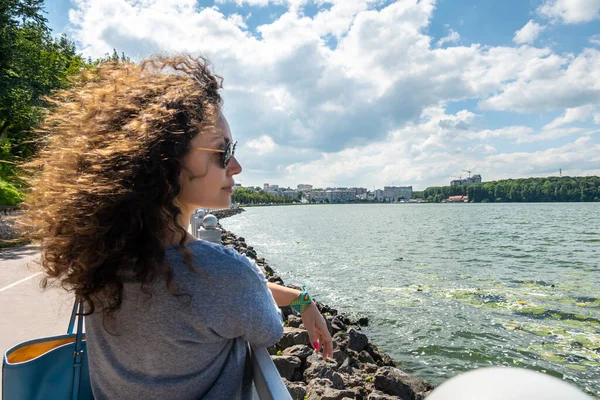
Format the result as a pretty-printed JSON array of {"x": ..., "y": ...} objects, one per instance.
[{"x": 234, "y": 166}]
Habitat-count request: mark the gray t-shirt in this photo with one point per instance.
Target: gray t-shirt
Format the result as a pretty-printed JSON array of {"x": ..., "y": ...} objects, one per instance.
[{"x": 180, "y": 348}]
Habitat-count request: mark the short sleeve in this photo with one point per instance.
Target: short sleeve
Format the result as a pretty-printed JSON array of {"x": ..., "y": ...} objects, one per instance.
[{"x": 245, "y": 306}]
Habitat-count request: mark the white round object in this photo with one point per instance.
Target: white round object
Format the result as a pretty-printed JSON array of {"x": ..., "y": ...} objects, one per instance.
[
  {"x": 209, "y": 221},
  {"x": 499, "y": 383}
]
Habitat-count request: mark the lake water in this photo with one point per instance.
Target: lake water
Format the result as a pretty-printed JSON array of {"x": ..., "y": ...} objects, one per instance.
[{"x": 450, "y": 287}]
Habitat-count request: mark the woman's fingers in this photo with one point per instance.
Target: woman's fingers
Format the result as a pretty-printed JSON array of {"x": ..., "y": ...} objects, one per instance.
[
  {"x": 312, "y": 333},
  {"x": 327, "y": 345},
  {"x": 325, "y": 340}
]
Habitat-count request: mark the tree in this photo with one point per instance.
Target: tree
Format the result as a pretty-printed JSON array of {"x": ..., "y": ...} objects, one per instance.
[
  {"x": 585, "y": 188},
  {"x": 32, "y": 65}
]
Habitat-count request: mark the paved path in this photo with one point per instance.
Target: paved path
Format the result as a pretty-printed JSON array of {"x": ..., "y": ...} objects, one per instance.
[{"x": 27, "y": 312}]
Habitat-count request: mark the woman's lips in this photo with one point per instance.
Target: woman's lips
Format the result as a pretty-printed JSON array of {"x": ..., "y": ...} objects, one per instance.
[{"x": 228, "y": 190}]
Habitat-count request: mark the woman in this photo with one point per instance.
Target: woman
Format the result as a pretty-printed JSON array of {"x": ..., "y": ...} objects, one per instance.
[{"x": 127, "y": 155}]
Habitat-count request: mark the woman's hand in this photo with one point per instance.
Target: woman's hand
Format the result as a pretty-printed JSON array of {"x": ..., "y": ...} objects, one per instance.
[{"x": 317, "y": 330}]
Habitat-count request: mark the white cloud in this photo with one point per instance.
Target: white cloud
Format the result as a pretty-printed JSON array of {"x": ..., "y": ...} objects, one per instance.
[
  {"x": 482, "y": 149},
  {"x": 262, "y": 145},
  {"x": 528, "y": 33},
  {"x": 452, "y": 37},
  {"x": 570, "y": 11},
  {"x": 577, "y": 114},
  {"x": 552, "y": 86},
  {"x": 237, "y": 20},
  {"x": 239, "y": 3},
  {"x": 595, "y": 39},
  {"x": 581, "y": 154},
  {"x": 371, "y": 107},
  {"x": 515, "y": 133},
  {"x": 381, "y": 164},
  {"x": 551, "y": 134}
]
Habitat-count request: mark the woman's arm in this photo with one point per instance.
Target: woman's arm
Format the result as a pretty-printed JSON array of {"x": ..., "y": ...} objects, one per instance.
[
  {"x": 311, "y": 318},
  {"x": 283, "y": 295}
]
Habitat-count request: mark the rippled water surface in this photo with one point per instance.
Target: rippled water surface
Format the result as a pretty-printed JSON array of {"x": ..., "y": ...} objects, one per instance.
[{"x": 450, "y": 287}]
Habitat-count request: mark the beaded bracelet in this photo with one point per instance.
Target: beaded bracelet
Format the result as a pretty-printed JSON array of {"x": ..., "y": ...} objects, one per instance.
[{"x": 301, "y": 302}]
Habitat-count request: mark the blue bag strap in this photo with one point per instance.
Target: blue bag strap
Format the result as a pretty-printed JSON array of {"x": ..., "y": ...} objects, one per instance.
[
  {"x": 72, "y": 320},
  {"x": 78, "y": 353}
]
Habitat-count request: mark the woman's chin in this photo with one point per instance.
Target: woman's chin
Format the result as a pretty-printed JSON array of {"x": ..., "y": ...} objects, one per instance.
[{"x": 217, "y": 204}]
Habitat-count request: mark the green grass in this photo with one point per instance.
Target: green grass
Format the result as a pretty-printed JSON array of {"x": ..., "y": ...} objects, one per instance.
[
  {"x": 9, "y": 194},
  {"x": 7, "y": 244}
]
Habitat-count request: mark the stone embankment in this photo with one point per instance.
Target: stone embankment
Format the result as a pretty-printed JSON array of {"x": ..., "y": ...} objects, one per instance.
[
  {"x": 7, "y": 224},
  {"x": 358, "y": 369}
]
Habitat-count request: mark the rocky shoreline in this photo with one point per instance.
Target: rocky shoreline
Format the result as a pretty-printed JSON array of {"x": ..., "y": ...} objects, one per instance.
[
  {"x": 9, "y": 236},
  {"x": 358, "y": 369}
]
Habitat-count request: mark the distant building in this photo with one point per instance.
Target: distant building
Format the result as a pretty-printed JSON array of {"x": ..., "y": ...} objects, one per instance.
[
  {"x": 359, "y": 191},
  {"x": 391, "y": 193},
  {"x": 237, "y": 185},
  {"x": 457, "y": 199},
  {"x": 270, "y": 188},
  {"x": 341, "y": 196},
  {"x": 318, "y": 196},
  {"x": 304, "y": 187},
  {"x": 290, "y": 194},
  {"x": 331, "y": 196},
  {"x": 466, "y": 181}
]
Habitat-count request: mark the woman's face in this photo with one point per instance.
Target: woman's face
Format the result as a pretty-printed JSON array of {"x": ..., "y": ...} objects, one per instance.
[{"x": 204, "y": 181}]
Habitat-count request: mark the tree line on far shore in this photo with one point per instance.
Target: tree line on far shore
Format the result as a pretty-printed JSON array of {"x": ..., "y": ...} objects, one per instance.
[
  {"x": 550, "y": 189},
  {"x": 259, "y": 196}
]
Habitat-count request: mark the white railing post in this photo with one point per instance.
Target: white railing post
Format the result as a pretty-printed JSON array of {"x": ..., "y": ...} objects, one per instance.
[
  {"x": 196, "y": 221},
  {"x": 209, "y": 230}
]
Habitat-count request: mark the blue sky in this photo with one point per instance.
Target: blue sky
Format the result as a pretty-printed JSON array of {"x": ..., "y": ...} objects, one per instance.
[{"x": 372, "y": 93}]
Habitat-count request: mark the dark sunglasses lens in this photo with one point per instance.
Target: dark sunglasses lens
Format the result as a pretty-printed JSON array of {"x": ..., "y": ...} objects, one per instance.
[{"x": 229, "y": 152}]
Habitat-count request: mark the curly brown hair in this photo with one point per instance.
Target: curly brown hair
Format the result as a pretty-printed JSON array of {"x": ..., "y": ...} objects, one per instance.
[{"x": 103, "y": 188}]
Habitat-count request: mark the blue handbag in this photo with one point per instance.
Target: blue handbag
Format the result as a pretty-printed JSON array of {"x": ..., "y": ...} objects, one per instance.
[{"x": 49, "y": 368}]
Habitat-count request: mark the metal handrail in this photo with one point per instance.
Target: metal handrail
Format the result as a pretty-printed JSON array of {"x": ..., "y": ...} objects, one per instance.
[{"x": 266, "y": 378}]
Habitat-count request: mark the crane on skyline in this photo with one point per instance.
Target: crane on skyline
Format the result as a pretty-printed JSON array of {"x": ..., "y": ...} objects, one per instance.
[{"x": 466, "y": 170}]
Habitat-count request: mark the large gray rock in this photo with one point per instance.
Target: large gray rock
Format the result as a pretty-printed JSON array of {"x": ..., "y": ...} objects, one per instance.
[
  {"x": 301, "y": 351},
  {"x": 339, "y": 356},
  {"x": 320, "y": 371},
  {"x": 341, "y": 339},
  {"x": 338, "y": 325},
  {"x": 348, "y": 365},
  {"x": 358, "y": 341},
  {"x": 275, "y": 279},
  {"x": 293, "y": 336},
  {"x": 297, "y": 389},
  {"x": 294, "y": 321},
  {"x": 377, "y": 395},
  {"x": 286, "y": 365},
  {"x": 398, "y": 383},
  {"x": 364, "y": 357},
  {"x": 321, "y": 389},
  {"x": 317, "y": 359},
  {"x": 370, "y": 368},
  {"x": 381, "y": 359}
]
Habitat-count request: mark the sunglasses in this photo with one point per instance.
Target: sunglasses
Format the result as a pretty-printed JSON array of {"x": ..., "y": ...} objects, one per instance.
[{"x": 225, "y": 154}]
